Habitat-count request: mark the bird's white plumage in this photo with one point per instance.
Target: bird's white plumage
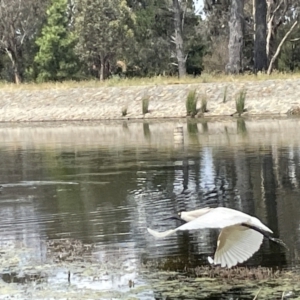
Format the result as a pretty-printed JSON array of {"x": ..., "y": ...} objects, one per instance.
[
  {"x": 191, "y": 215},
  {"x": 222, "y": 217},
  {"x": 236, "y": 243},
  {"x": 161, "y": 235}
]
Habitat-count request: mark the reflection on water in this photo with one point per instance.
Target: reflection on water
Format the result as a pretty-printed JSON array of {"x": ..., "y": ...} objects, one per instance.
[
  {"x": 241, "y": 126},
  {"x": 103, "y": 184}
]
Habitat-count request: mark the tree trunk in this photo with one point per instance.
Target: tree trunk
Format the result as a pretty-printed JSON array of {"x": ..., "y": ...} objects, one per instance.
[
  {"x": 102, "y": 69},
  {"x": 279, "y": 48},
  {"x": 260, "y": 50},
  {"x": 272, "y": 25},
  {"x": 181, "y": 59},
  {"x": 236, "y": 37},
  {"x": 15, "y": 67}
]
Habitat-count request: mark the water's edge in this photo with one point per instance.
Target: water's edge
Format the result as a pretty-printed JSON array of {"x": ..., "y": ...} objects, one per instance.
[{"x": 270, "y": 97}]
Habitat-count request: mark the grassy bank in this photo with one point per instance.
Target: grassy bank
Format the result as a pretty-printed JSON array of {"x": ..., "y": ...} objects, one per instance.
[{"x": 159, "y": 80}]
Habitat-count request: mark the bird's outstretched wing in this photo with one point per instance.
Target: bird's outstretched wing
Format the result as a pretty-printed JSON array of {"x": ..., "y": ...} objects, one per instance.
[
  {"x": 236, "y": 244},
  {"x": 217, "y": 218}
]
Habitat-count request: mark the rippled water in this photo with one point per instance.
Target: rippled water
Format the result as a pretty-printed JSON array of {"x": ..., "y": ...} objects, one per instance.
[{"x": 105, "y": 183}]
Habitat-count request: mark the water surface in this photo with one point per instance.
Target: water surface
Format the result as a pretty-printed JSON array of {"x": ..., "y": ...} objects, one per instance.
[{"x": 102, "y": 184}]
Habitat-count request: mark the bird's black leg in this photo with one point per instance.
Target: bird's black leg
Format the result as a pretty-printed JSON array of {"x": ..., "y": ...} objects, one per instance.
[{"x": 278, "y": 241}]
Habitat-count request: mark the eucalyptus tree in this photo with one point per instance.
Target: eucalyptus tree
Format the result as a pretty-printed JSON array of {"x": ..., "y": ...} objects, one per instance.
[
  {"x": 178, "y": 39},
  {"x": 20, "y": 21},
  {"x": 282, "y": 21},
  {"x": 236, "y": 37},
  {"x": 104, "y": 29},
  {"x": 56, "y": 59},
  {"x": 150, "y": 52},
  {"x": 260, "y": 38},
  {"x": 215, "y": 32},
  {"x": 167, "y": 39}
]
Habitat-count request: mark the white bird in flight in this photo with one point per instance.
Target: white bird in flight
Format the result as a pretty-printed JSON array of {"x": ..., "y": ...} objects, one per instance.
[{"x": 241, "y": 235}]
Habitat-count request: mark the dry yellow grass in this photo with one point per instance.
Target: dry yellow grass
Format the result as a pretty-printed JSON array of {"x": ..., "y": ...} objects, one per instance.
[{"x": 159, "y": 80}]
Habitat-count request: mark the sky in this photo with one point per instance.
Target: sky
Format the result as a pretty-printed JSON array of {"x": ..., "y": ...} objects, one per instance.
[{"x": 198, "y": 4}]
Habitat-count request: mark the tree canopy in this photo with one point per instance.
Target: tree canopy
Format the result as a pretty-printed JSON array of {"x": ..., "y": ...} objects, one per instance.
[
  {"x": 50, "y": 40},
  {"x": 56, "y": 59}
]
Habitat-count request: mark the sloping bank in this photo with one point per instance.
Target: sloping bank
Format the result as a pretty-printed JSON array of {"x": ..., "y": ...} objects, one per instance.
[{"x": 166, "y": 101}]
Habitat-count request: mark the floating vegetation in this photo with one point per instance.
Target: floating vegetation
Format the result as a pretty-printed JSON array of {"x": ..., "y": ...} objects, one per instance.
[
  {"x": 145, "y": 104},
  {"x": 175, "y": 279},
  {"x": 191, "y": 103},
  {"x": 24, "y": 277},
  {"x": 240, "y": 102},
  {"x": 162, "y": 279},
  {"x": 237, "y": 273},
  {"x": 68, "y": 250}
]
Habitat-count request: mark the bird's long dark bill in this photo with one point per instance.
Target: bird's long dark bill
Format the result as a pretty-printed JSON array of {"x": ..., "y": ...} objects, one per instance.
[{"x": 278, "y": 241}]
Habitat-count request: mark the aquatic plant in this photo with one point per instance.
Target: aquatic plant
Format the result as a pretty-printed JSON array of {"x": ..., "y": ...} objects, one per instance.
[
  {"x": 240, "y": 102},
  {"x": 217, "y": 282},
  {"x": 145, "y": 104},
  {"x": 191, "y": 103}
]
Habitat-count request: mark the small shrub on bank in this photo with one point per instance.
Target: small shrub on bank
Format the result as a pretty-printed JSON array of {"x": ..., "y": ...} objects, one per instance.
[
  {"x": 203, "y": 107},
  {"x": 145, "y": 104},
  {"x": 240, "y": 102},
  {"x": 295, "y": 110},
  {"x": 225, "y": 95},
  {"x": 191, "y": 103},
  {"x": 124, "y": 111}
]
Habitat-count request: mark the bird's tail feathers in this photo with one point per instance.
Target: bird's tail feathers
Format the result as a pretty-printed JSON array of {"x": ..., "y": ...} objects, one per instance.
[{"x": 161, "y": 235}]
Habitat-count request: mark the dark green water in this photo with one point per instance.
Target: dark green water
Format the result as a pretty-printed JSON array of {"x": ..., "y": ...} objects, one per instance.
[{"x": 105, "y": 183}]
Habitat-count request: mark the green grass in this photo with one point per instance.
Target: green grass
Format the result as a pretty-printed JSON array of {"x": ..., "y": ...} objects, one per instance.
[
  {"x": 158, "y": 80},
  {"x": 240, "y": 102},
  {"x": 191, "y": 103},
  {"x": 145, "y": 104}
]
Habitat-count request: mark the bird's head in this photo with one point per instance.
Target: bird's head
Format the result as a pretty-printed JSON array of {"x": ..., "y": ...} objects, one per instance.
[{"x": 176, "y": 217}]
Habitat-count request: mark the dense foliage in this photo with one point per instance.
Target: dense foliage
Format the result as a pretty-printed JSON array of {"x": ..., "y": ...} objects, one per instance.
[
  {"x": 55, "y": 40},
  {"x": 56, "y": 59}
]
